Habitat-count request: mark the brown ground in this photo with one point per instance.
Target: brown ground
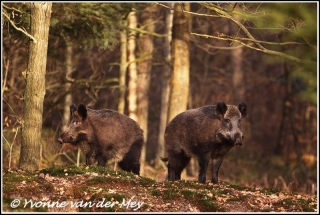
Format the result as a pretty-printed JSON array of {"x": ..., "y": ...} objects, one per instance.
[{"x": 73, "y": 189}]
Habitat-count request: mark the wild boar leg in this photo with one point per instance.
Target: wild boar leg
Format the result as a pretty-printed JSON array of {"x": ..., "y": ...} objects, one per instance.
[
  {"x": 184, "y": 160},
  {"x": 101, "y": 161},
  {"x": 215, "y": 170},
  {"x": 171, "y": 171},
  {"x": 89, "y": 160},
  {"x": 203, "y": 163},
  {"x": 130, "y": 163}
]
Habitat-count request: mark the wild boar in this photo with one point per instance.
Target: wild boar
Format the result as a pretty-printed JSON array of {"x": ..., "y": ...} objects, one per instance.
[
  {"x": 209, "y": 131},
  {"x": 103, "y": 135}
]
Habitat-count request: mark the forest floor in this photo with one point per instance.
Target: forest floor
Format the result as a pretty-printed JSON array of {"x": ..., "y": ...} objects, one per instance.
[{"x": 96, "y": 189}]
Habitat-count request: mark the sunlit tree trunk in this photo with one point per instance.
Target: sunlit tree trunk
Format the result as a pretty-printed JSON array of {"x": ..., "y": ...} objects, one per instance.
[
  {"x": 238, "y": 81},
  {"x": 179, "y": 82},
  {"x": 165, "y": 88},
  {"x": 122, "y": 71},
  {"x": 35, "y": 87},
  {"x": 145, "y": 47},
  {"x": 132, "y": 67},
  {"x": 68, "y": 97},
  {"x": 178, "y": 98}
]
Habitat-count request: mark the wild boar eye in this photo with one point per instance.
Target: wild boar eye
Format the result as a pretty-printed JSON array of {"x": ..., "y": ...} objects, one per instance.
[
  {"x": 76, "y": 123},
  {"x": 227, "y": 120}
]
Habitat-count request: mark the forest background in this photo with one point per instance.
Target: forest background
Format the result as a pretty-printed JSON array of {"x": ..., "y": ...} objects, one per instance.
[{"x": 126, "y": 57}]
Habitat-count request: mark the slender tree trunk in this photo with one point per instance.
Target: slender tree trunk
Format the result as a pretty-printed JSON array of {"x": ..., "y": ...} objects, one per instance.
[
  {"x": 237, "y": 76},
  {"x": 68, "y": 97},
  {"x": 145, "y": 46},
  {"x": 35, "y": 87},
  {"x": 122, "y": 72},
  {"x": 132, "y": 67},
  {"x": 279, "y": 149},
  {"x": 179, "y": 94},
  {"x": 165, "y": 88}
]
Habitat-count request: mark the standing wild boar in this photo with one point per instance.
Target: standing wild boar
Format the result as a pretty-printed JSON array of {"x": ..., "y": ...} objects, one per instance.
[
  {"x": 203, "y": 132},
  {"x": 103, "y": 135}
]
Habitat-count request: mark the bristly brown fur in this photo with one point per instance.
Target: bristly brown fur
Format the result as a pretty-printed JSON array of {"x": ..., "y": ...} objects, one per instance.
[
  {"x": 209, "y": 131},
  {"x": 104, "y": 135}
]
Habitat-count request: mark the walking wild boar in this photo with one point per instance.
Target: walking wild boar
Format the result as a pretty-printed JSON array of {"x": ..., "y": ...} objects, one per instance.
[
  {"x": 103, "y": 135},
  {"x": 209, "y": 131}
]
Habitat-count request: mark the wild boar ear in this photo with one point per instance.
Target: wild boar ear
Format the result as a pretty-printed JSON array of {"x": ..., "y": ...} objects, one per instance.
[
  {"x": 221, "y": 108},
  {"x": 73, "y": 108},
  {"x": 82, "y": 111},
  {"x": 243, "y": 109}
]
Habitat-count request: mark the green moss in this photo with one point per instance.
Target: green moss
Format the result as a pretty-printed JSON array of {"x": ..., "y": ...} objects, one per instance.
[
  {"x": 156, "y": 192},
  {"x": 285, "y": 203},
  {"x": 208, "y": 205},
  {"x": 145, "y": 207},
  {"x": 97, "y": 180},
  {"x": 170, "y": 194},
  {"x": 221, "y": 192},
  {"x": 269, "y": 191},
  {"x": 19, "y": 177},
  {"x": 115, "y": 197},
  {"x": 237, "y": 187},
  {"x": 94, "y": 196},
  {"x": 14, "y": 178},
  {"x": 63, "y": 171},
  {"x": 307, "y": 205},
  {"x": 96, "y": 169},
  {"x": 146, "y": 181},
  {"x": 188, "y": 193},
  {"x": 288, "y": 201},
  {"x": 8, "y": 188},
  {"x": 123, "y": 173}
]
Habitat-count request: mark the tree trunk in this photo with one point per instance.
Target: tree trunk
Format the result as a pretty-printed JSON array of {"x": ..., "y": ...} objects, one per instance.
[
  {"x": 122, "y": 72},
  {"x": 35, "y": 87},
  {"x": 238, "y": 80},
  {"x": 165, "y": 88},
  {"x": 279, "y": 149},
  {"x": 68, "y": 97},
  {"x": 179, "y": 85},
  {"x": 237, "y": 76},
  {"x": 179, "y": 94},
  {"x": 145, "y": 45},
  {"x": 132, "y": 67}
]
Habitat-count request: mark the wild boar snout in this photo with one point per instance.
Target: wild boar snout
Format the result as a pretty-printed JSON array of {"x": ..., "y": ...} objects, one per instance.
[
  {"x": 238, "y": 140},
  {"x": 60, "y": 140}
]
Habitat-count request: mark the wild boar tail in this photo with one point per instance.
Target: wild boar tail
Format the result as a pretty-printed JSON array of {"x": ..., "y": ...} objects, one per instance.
[{"x": 164, "y": 159}]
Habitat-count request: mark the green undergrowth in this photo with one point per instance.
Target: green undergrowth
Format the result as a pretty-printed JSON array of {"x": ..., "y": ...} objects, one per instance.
[{"x": 74, "y": 170}]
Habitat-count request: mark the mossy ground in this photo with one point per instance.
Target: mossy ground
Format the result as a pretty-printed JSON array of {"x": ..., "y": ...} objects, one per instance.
[{"x": 97, "y": 189}]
